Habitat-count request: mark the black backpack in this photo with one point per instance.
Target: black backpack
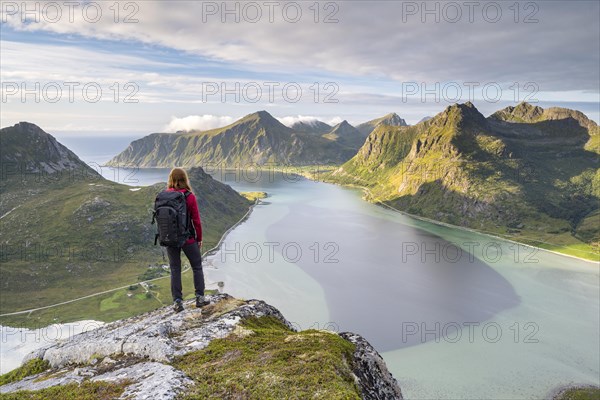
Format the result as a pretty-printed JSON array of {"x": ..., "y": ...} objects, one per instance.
[{"x": 174, "y": 225}]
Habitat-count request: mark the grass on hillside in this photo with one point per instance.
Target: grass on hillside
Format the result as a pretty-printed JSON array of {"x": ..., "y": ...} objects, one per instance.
[
  {"x": 92, "y": 237},
  {"x": 87, "y": 237},
  {"x": 464, "y": 180},
  {"x": 586, "y": 393},
  {"x": 85, "y": 391},
  {"x": 253, "y": 196},
  {"x": 31, "y": 367},
  {"x": 263, "y": 359},
  {"x": 107, "y": 307}
]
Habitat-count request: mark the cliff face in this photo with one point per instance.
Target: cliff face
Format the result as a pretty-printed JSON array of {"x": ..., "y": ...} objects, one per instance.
[
  {"x": 257, "y": 138},
  {"x": 524, "y": 171},
  {"x": 346, "y": 135},
  {"x": 228, "y": 349},
  {"x": 391, "y": 119},
  {"x": 528, "y": 113}
]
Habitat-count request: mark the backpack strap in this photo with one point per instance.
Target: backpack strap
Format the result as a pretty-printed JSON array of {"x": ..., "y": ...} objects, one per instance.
[{"x": 191, "y": 228}]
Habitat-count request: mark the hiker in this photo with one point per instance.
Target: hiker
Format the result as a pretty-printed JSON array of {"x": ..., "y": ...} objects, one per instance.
[{"x": 169, "y": 205}]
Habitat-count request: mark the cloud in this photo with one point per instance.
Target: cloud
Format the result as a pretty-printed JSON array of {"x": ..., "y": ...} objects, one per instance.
[
  {"x": 307, "y": 119},
  {"x": 291, "y": 120},
  {"x": 171, "y": 52},
  {"x": 335, "y": 120},
  {"x": 197, "y": 122},
  {"x": 552, "y": 50}
]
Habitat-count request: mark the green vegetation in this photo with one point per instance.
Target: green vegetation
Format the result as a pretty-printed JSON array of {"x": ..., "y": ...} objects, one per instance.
[
  {"x": 253, "y": 196},
  {"x": 107, "y": 307},
  {"x": 526, "y": 174},
  {"x": 586, "y": 393},
  {"x": 72, "y": 391},
  {"x": 31, "y": 367},
  {"x": 72, "y": 233},
  {"x": 391, "y": 119},
  {"x": 263, "y": 359},
  {"x": 346, "y": 135},
  {"x": 258, "y": 139},
  {"x": 153, "y": 273}
]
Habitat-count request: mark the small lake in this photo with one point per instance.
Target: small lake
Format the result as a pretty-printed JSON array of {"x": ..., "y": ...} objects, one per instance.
[{"x": 455, "y": 314}]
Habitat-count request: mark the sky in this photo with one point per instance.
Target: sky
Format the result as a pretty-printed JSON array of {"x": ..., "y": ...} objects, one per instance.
[{"x": 136, "y": 67}]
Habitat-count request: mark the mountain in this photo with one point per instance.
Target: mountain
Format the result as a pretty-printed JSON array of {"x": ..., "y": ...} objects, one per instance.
[
  {"x": 524, "y": 172},
  {"x": 68, "y": 232},
  {"x": 27, "y": 149},
  {"x": 314, "y": 127},
  {"x": 391, "y": 119},
  {"x": 229, "y": 349},
  {"x": 426, "y": 118},
  {"x": 527, "y": 113},
  {"x": 346, "y": 135},
  {"x": 257, "y": 138}
]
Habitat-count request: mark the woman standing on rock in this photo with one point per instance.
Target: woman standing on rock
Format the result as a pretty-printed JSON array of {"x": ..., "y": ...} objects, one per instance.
[{"x": 179, "y": 181}]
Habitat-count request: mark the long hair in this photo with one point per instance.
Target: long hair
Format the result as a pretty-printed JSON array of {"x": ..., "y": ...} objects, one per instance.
[{"x": 178, "y": 179}]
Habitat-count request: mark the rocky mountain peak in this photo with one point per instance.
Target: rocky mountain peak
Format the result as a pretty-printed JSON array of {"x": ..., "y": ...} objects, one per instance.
[
  {"x": 528, "y": 113},
  {"x": 393, "y": 119},
  {"x": 463, "y": 114},
  {"x": 263, "y": 117},
  {"x": 344, "y": 125},
  {"x": 523, "y": 112},
  {"x": 31, "y": 149}
]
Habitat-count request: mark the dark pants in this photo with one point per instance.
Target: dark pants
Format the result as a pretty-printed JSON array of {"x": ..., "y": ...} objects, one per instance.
[{"x": 192, "y": 252}]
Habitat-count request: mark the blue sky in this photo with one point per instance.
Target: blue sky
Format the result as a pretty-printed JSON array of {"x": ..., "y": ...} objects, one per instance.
[{"x": 369, "y": 59}]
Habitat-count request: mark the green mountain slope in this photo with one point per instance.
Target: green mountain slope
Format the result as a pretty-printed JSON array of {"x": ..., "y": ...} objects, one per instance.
[
  {"x": 70, "y": 232},
  {"x": 346, "y": 135},
  {"x": 313, "y": 127},
  {"x": 524, "y": 172},
  {"x": 391, "y": 119},
  {"x": 255, "y": 139}
]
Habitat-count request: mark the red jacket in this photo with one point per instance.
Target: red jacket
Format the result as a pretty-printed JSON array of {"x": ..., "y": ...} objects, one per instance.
[{"x": 192, "y": 206}]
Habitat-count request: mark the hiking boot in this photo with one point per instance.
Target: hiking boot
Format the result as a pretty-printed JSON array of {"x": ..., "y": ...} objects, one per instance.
[
  {"x": 178, "y": 306},
  {"x": 201, "y": 301}
]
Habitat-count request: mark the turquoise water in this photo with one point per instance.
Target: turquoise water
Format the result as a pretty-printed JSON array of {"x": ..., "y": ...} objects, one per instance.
[{"x": 455, "y": 314}]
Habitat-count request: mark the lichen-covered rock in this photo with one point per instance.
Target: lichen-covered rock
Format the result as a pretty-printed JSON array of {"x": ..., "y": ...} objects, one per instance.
[
  {"x": 158, "y": 335},
  {"x": 152, "y": 380},
  {"x": 140, "y": 351},
  {"x": 372, "y": 376}
]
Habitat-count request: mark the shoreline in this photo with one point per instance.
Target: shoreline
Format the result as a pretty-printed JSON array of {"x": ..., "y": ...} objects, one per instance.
[
  {"x": 447, "y": 225},
  {"x": 205, "y": 254},
  {"x": 216, "y": 248},
  {"x": 304, "y": 171},
  {"x": 559, "y": 392}
]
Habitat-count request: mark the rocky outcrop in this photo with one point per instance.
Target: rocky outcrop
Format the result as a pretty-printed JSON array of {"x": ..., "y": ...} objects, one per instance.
[
  {"x": 528, "y": 113},
  {"x": 141, "y": 350},
  {"x": 520, "y": 172},
  {"x": 391, "y": 119},
  {"x": 372, "y": 376}
]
